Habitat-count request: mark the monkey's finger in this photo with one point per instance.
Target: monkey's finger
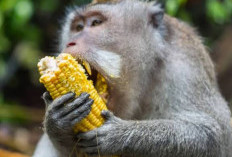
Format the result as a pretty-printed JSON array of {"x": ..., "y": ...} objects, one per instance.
[
  {"x": 87, "y": 135},
  {"x": 79, "y": 117},
  {"x": 77, "y": 112},
  {"x": 107, "y": 114},
  {"x": 90, "y": 150},
  {"x": 74, "y": 105},
  {"x": 59, "y": 102},
  {"x": 86, "y": 143},
  {"x": 47, "y": 98},
  {"x": 77, "y": 102},
  {"x": 76, "y": 116}
]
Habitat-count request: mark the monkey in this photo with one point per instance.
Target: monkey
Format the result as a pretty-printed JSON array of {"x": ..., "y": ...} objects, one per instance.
[{"x": 163, "y": 101}]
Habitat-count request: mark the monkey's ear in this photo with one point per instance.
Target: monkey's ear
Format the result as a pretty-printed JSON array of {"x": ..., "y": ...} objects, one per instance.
[{"x": 156, "y": 15}]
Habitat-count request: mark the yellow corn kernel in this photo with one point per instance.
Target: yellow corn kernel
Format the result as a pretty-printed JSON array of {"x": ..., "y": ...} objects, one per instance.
[
  {"x": 101, "y": 87},
  {"x": 63, "y": 74}
]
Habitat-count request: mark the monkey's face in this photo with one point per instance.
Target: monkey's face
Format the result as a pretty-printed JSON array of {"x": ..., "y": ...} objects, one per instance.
[{"x": 115, "y": 39}]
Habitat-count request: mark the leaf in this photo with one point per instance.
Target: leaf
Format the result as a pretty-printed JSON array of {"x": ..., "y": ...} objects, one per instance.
[
  {"x": 172, "y": 7},
  {"x": 23, "y": 11},
  {"x": 1, "y": 19},
  {"x": 4, "y": 44},
  {"x": 216, "y": 11},
  {"x": 2, "y": 68},
  {"x": 6, "y": 5},
  {"x": 184, "y": 15},
  {"x": 27, "y": 54},
  {"x": 182, "y": 2},
  {"x": 48, "y": 5},
  {"x": 228, "y": 7}
]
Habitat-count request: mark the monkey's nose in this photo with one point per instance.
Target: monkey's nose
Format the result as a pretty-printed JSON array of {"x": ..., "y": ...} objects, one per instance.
[{"x": 71, "y": 44}]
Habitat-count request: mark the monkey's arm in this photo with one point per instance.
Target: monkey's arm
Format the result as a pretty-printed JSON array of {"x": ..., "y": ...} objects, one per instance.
[
  {"x": 185, "y": 135},
  {"x": 191, "y": 136}
]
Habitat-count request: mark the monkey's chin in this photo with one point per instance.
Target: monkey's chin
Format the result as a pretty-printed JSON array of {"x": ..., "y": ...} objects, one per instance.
[{"x": 99, "y": 81}]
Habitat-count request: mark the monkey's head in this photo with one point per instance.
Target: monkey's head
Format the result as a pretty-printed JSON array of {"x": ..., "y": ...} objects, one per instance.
[{"x": 121, "y": 40}]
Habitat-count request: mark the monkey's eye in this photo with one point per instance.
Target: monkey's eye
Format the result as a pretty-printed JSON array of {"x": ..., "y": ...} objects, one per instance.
[
  {"x": 79, "y": 27},
  {"x": 96, "y": 22}
]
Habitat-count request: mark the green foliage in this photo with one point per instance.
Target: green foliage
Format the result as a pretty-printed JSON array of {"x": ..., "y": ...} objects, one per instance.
[
  {"x": 219, "y": 11},
  {"x": 172, "y": 6},
  {"x": 7, "y": 5},
  {"x": 48, "y": 6},
  {"x": 5, "y": 43},
  {"x": 14, "y": 21},
  {"x": 22, "y": 12},
  {"x": 209, "y": 16},
  {"x": 1, "y": 99},
  {"x": 13, "y": 114},
  {"x": 2, "y": 67},
  {"x": 1, "y": 19}
]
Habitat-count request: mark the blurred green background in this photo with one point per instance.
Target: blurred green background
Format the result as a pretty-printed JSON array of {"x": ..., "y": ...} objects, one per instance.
[{"x": 29, "y": 31}]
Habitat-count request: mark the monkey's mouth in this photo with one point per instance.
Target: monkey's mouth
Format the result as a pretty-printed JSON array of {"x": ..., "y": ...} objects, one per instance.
[{"x": 97, "y": 78}]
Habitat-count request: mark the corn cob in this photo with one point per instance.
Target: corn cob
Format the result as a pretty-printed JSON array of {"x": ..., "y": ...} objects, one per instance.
[
  {"x": 63, "y": 74},
  {"x": 101, "y": 87}
]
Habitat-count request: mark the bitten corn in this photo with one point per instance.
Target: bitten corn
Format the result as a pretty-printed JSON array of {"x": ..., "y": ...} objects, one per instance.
[{"x": 63, "y": 74}]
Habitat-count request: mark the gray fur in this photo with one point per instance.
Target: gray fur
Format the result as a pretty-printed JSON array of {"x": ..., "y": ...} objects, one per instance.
[{"x": 166, "y": 102}]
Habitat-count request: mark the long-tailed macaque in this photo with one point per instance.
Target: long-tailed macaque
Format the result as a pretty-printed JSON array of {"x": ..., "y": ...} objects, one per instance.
[{"x": 163, "y": 99}]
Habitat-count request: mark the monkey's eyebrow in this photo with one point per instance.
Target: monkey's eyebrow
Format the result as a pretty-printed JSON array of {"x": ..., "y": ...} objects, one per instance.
[{"x": 93, "y": 13}]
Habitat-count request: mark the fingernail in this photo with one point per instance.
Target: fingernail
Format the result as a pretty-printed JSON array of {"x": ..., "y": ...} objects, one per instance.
[{"x": 84, "y": 94}]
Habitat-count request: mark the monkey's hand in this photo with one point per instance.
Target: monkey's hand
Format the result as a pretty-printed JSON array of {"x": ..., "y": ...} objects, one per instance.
[
  {"x": 105, "y": 140},
  {"x": 62, "y": 114}
]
